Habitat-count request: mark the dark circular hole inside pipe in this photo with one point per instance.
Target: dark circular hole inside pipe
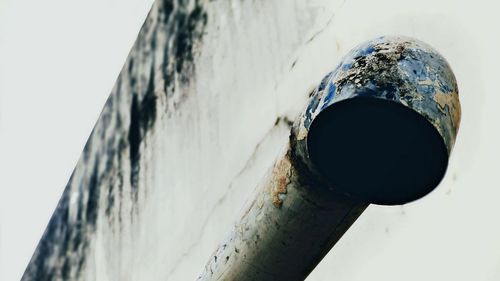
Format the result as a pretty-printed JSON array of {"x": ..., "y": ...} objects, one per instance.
[{"x": 377, "y": 150}]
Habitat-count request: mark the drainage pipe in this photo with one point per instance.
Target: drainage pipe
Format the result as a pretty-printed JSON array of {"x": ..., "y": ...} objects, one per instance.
[{"x": 378, "y": 130}]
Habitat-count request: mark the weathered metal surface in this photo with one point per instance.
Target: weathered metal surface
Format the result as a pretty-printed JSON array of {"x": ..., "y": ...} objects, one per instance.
[
  {"x": 286, "y": 230},
  {"x": 399, "y": 69},
  {"x": 298, "y": 212},
  {"x": 391, "y": 74}
]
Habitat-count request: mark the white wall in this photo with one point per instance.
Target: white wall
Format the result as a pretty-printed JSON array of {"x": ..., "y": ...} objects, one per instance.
[{"x": 57, "y": 66}]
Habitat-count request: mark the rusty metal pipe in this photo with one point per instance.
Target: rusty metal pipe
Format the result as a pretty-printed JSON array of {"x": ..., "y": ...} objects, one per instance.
[{"x": 378, "y": 129}]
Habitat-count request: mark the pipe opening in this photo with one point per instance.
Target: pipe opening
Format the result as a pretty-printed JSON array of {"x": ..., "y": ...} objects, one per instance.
[{"x": 377, "y": 150}]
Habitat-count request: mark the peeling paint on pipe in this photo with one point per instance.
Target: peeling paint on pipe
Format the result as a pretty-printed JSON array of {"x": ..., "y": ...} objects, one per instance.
[{"x": 378, "y": 129}]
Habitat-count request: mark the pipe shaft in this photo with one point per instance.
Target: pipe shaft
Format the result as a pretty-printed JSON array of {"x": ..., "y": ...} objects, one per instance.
[{"x": 286, "y": 230}]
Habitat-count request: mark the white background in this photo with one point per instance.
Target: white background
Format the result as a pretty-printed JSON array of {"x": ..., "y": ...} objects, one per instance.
[{"x": 59, "y": 61}]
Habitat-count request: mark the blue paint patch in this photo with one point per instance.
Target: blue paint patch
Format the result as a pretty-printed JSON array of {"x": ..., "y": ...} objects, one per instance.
[
  {"x": 324, "y": 82},
  {"x": 427, "y": 90},
  {"x": 346, "y": 65},
  {"x": 332, "y": 89},
  {"x": 367, "y": 92},
  {"x": 313, "y": 104},
  {"x": 414, "y": 69},
  {"x": 367, "y": 50}
]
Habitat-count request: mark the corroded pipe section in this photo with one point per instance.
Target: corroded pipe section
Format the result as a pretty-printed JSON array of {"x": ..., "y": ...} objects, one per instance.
[{"x": 378, "y": 129}]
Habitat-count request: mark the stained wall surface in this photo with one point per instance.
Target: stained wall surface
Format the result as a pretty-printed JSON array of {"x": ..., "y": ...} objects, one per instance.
[{"x": 203, "y": 106}]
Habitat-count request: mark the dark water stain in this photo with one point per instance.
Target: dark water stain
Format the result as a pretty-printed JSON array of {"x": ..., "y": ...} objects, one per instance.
[
  {"x": 92, "y": 207},
  {"x": 110, "y": 201},
  {"x": 110, "y": 157},
  {"x": 166, "y": 9},
  {"x": 56, "y": 233},
  {"x": 283, "y": 119},
  {"x": 189, "y": 27},
  {"x": 134, "y": 138},
  {"x": 66, "y": 269},
  {"x": 142, "y": 118},
  {"x": 65, "y": 240}
]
